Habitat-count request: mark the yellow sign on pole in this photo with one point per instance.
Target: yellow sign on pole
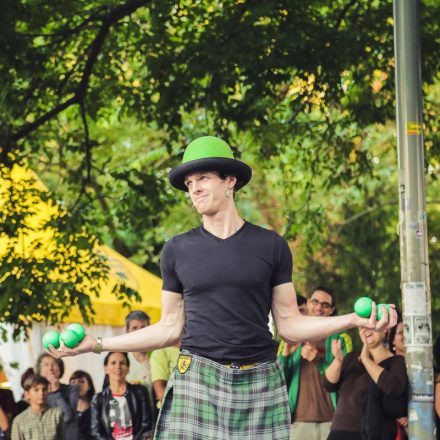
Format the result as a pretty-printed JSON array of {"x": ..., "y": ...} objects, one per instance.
[{"x": 414, "y": 128}]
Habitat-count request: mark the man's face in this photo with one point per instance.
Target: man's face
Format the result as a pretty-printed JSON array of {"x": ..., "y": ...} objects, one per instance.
[
  {"x": 49, "y": 367},
  {"x": 208, "y": 191},
  {"x": 136, "y": 324},
  {"x": 37, "y": 395},
  {"x": 320, "y": 304}
]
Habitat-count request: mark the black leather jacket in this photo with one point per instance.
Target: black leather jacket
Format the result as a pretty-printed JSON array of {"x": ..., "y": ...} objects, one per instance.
[{"x": 140, "y": 410}]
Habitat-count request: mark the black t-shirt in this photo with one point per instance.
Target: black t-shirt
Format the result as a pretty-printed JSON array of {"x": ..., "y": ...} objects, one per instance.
[{"x": 227, "y": 290}]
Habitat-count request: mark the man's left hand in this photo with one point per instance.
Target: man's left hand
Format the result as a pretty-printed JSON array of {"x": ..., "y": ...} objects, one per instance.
[{"x": 387, "y": 321}]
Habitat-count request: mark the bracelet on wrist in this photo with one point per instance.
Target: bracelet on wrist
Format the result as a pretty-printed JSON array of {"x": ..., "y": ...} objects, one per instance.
[{"x": 97, "y": 348}]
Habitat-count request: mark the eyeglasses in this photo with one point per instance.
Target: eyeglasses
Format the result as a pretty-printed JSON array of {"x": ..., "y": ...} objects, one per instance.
[{"x": 323, "y": 304}]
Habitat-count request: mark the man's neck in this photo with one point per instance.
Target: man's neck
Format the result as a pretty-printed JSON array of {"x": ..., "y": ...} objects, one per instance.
[
  {"x": 38, "y": 409},
  {"x": 223, "y": 224}
]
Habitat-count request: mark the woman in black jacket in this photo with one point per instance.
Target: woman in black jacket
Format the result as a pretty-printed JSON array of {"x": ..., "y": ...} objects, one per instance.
[
  {"x": 121, "y": 410},
  {"x": 372, "y": 385}
]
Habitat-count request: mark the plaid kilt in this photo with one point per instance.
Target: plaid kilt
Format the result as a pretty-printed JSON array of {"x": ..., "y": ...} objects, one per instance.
[{"x": 210, "y": 401}]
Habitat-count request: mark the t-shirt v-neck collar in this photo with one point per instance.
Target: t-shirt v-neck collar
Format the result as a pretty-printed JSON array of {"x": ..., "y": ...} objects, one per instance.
[{"x": 223, "y": 240}]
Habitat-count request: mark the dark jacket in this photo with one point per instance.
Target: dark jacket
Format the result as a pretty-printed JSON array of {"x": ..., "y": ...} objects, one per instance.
[
  {"x": 140, "y": 410},
  {"x": 66, "y": 398}
]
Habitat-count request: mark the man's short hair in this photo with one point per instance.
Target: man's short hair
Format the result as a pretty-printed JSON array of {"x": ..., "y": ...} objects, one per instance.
[
  {"x": 326, "y": 290},
  {"x": 238, "y": 183},
  {"x": 138, "y": 315},
  {"x": 33, "y": 380}
]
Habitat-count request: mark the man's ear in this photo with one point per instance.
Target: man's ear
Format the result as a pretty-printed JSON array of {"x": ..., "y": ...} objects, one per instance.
[{"x": 233, "y": 180}]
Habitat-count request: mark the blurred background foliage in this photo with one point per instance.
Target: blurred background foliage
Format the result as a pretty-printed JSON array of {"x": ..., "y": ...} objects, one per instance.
[{"x": 100, "y": 99}]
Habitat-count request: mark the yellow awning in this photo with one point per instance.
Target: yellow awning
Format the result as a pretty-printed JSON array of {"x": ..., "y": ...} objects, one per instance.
[{"x": 109, "y": 311}]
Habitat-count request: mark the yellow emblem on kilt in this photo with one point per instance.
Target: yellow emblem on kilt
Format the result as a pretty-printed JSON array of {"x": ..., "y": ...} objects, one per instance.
[{"x": 183, "y": 363}]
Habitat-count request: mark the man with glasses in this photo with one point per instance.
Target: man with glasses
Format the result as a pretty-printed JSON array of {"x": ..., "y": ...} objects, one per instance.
[{"x": 311, "y": 406}]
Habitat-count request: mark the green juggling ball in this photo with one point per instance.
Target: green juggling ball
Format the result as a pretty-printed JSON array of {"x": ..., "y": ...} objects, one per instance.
[
  {"x": 78, "y": 329},
  {"x": 70, "y": 338},
  {"x": 362, "y": 307},
  {"x": 51, "y": 337},
  {"x": 379, "y": 310}
]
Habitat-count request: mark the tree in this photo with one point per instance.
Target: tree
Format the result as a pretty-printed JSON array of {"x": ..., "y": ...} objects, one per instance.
[
  {"x": 49, "y": 261},
  {"x": 293, "y": 85}
]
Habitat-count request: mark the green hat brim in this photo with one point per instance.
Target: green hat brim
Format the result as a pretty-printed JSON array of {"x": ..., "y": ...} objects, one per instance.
[{"x": 233, "y": 167}]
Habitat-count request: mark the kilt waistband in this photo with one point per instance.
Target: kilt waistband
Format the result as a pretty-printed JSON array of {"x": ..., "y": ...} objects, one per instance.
[
  {"x": 230, "y": 367},
  {"x": 238, "y": 366}
]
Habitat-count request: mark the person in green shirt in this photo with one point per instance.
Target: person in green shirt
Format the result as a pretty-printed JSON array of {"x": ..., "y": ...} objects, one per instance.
[
  {"x": 162, "y": 362},
  {"x": 311, "y": 406}
]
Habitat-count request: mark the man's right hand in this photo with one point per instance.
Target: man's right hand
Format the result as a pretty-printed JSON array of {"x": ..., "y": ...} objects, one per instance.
[
  {"x": 85, "y": 346},
  {"x": 309, "y": 352},
  {"x": 337, "y": 350}
]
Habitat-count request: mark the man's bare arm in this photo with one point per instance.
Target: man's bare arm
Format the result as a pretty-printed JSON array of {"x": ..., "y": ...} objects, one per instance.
[
  {"x": 159, "y": 387},
  {"x": 165, "y": 333},
  {"x": 292, "y": 326}
]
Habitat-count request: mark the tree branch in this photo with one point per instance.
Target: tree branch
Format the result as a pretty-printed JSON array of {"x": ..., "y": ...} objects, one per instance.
[
  {"x": 86, "y": 141},
  {"x": 94, "y": 50},
  {"x": 344, "y": 13},
  {"x": 28, "y": 128},
  {"x": 67, "y": 32}
]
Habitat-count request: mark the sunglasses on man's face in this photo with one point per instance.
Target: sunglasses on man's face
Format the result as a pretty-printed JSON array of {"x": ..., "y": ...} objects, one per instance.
[{"x": 323, "y": 304}]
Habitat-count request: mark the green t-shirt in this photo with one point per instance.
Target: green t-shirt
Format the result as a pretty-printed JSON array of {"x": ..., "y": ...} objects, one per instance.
[{"x": 163, "y": 362}]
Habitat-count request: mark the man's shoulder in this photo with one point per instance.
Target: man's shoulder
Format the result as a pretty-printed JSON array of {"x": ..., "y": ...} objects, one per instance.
[
  {"x": 263, "y": 232},
  {"x": 184, "y": 236}
]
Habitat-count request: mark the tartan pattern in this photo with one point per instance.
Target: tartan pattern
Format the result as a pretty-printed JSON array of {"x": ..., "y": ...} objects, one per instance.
[{"x": 213, "y": 402}]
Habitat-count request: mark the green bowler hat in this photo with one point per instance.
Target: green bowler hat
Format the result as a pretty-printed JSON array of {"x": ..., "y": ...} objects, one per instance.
[{"x": 209, "y": 153}]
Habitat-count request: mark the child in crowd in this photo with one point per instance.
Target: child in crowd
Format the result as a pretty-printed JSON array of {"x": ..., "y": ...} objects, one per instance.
[
  {"x": 84, "y": 407},
  {"x": 38, "y": 422}
]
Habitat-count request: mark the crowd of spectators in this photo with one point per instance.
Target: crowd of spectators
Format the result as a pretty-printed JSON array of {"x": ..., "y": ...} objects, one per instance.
[
  {"x": 126, "y": 408},
  {"x": 335, "y": 392}
]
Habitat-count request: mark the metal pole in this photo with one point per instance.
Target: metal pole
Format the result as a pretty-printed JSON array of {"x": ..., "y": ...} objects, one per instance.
[{"x": 416, "y": 295}]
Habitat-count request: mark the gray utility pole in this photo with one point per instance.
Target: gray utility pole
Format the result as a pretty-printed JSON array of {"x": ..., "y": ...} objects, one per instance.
[{"x": 416, "y": 294}]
